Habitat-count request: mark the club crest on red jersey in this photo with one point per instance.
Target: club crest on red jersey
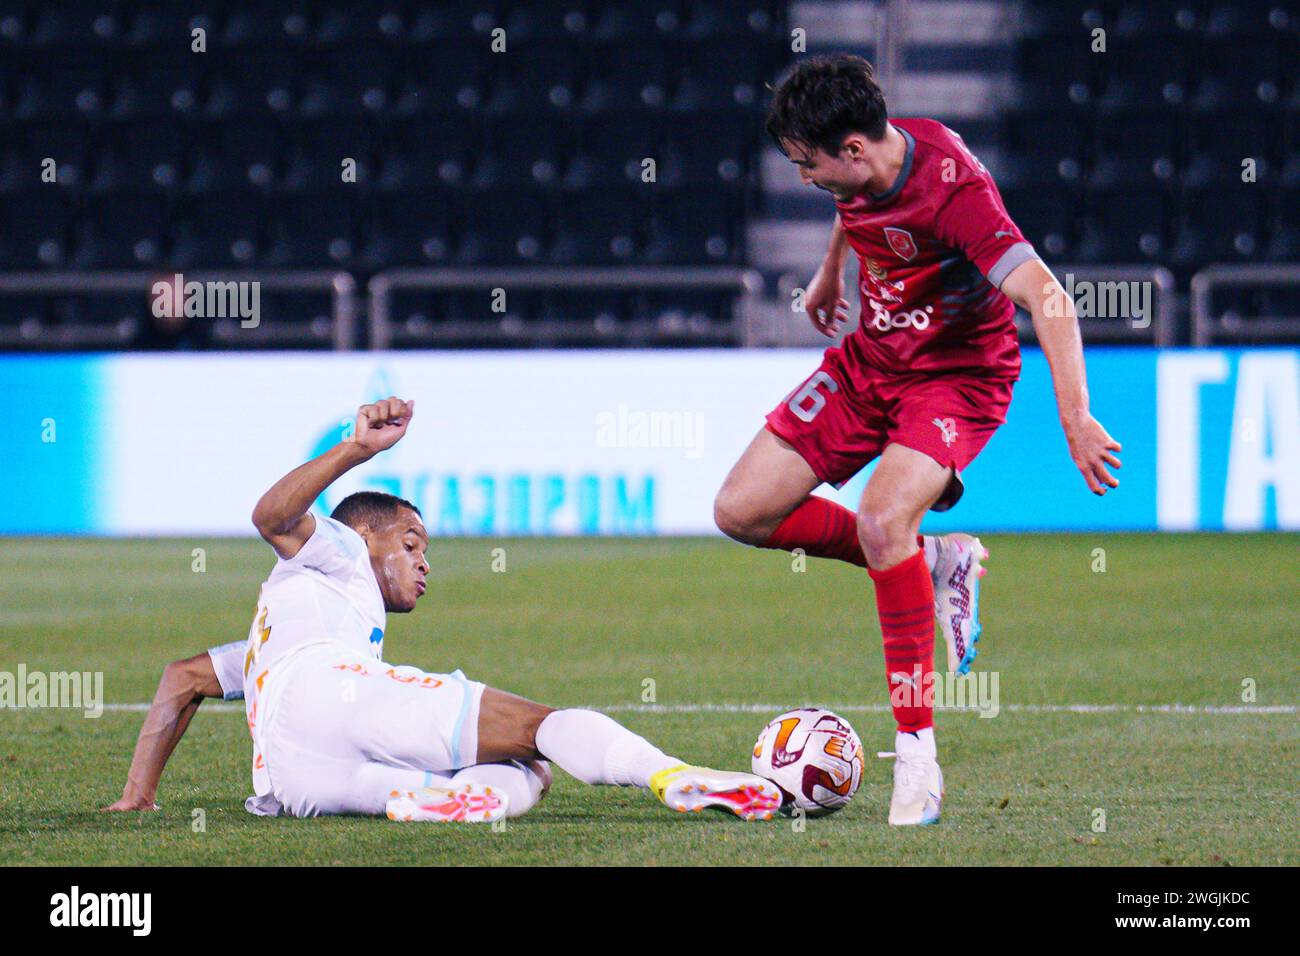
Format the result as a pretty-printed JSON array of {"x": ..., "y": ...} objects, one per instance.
[{"x": 901, "y": 241}]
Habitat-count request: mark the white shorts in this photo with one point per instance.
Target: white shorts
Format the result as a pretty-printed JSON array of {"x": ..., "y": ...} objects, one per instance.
[{"x": 339, "y": 730}]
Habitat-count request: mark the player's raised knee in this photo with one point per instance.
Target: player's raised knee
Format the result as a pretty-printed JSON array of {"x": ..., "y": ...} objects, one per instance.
[{"x": 737, "y": 519}]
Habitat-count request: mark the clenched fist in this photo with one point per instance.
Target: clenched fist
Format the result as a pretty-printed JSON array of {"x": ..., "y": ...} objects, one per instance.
[{"x": 381, "y": 426}]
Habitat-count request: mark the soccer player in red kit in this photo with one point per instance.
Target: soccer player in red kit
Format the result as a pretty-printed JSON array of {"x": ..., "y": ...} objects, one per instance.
[{"x": 921, "y": 384}]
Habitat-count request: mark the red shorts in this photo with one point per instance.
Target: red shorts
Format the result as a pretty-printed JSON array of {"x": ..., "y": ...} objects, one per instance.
[{"x": 845, "y": 414}]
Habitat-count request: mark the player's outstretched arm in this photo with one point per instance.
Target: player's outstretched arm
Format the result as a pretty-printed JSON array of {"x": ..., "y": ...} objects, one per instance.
[
  {"x": 1032, "y": 286},
  {"x": 282, "y": 516},
  {"x": 183, "y": 686}
]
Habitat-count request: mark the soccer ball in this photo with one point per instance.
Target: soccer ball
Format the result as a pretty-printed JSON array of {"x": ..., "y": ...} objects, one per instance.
[{"x": 814, "y": 757}]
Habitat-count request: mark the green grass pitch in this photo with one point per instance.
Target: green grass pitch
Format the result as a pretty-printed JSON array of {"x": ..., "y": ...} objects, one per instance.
[{"x": 1172, "y": 620}]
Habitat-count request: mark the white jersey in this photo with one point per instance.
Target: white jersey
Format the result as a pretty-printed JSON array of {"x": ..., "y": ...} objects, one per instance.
[{"x": 326, "y": 593}]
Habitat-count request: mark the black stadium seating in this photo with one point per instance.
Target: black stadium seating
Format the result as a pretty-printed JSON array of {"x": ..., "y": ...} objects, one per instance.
[
  {"x": 233, "y": 158},
  {"x": 1141, "y": 147}
]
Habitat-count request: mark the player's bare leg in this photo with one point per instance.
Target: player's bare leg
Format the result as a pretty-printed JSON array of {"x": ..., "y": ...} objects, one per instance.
[
  {"x": 900, "y": 491},
  {"x": 507, "y": 726},
  {"x": 767, "y": 483},
  {"x": 598, "y": 750}
]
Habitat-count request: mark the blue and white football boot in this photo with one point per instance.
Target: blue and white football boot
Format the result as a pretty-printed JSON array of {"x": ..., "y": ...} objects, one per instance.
[{"x": 958, "y": 568}]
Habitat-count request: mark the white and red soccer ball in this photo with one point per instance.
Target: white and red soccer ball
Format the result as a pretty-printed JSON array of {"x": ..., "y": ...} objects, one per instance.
[{"x": 813, "y": 756}]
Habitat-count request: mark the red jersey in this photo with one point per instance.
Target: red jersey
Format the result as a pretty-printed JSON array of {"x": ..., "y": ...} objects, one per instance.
[{"x": 932, "y": 251}]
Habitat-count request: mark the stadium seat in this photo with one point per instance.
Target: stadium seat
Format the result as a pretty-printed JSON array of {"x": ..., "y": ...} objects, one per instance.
[
  {"x": 499, "y": 230},
  {"x": 312, "y": 230},
  {"x": 1061, "y": 20},
  {"x": 1156, "y": 19},
  {"x": 409, "y": 229},
  {"x": 597, "y": 230},
  {"x": 695, "y": 226},
  {"x": 36, "y": 229},
  {"x": 120, "y": 232},
  {"x": 1044, "y": 149},
  {"x": 1124, "y": 225},
  {"x": 1047, "y": 217},
  {"x": 1220, "y": 224},
  {"x": 1142, "y": 147},
  {"x": 212, "y": 235}
]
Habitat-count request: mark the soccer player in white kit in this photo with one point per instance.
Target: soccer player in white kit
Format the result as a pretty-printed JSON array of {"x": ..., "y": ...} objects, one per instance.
[{"x": 336, "y": 730}]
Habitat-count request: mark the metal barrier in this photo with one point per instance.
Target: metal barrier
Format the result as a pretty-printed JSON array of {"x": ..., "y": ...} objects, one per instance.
[
  {"x": 755, "y": 322},
  {"x": 341, "y": 285},
  {"x": 747, "y": 283},
  {"x": 1206, "y": 326}
]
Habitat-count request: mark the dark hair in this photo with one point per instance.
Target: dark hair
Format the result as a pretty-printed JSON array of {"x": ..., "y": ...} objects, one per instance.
[
  {"x": 824, "y": 99},
  {"x": 373, "y": 508}
]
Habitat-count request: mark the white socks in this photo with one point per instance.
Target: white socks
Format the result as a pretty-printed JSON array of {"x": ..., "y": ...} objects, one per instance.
[
  {"x": 597, "y": 749},
  {"x": 919, "y": 745}
]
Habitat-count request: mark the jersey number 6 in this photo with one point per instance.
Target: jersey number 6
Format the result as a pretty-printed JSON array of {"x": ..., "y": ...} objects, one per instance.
[{"x": 808, "y": 393}]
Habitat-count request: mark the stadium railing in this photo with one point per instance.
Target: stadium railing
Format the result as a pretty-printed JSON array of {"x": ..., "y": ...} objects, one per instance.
[
  {"x": 225, "y": 330},
  {"x": 745, "y": 284},
  {"x": 755, "y": 320},
  {"x": 1208, "y": 327}
]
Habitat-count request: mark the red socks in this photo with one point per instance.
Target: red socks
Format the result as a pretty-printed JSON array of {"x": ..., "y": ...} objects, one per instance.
[
  {"x": 904, "y": 599},
  {"x": 905, "y": 602},
  {"x": 823, "y": 529}
]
